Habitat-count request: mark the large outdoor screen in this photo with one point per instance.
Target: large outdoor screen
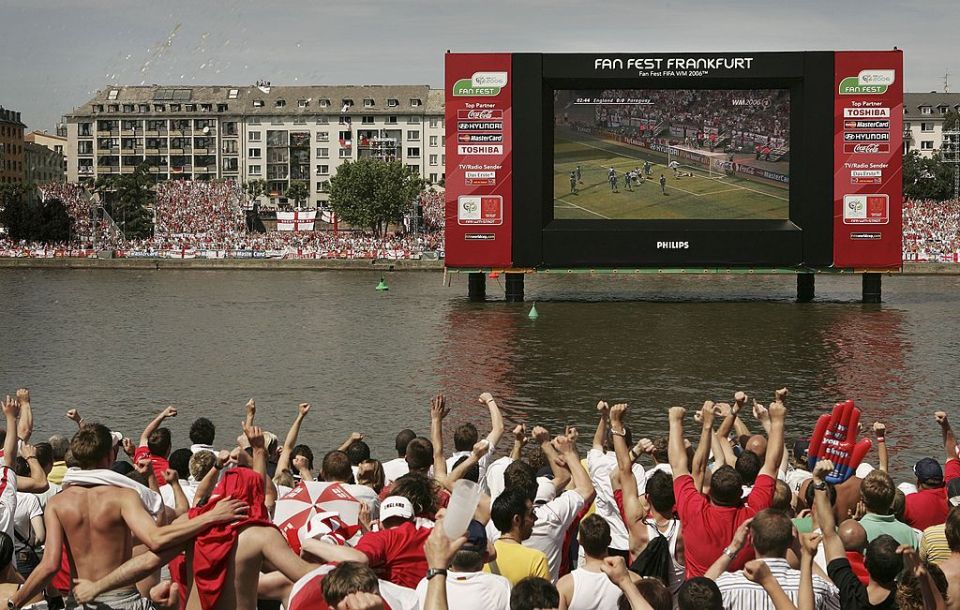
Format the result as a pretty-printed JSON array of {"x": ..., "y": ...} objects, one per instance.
[{"x": 671, "y": 154}]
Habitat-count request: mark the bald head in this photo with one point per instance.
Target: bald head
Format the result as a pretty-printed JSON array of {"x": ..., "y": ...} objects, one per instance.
[
  {"x": 757, "y": 444},
  {"x": 853, "y": 536}
]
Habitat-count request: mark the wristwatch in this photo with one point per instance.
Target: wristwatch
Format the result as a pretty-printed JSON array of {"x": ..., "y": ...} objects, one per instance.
[
  {"x": 435, "y": 572},
  {"x": 821, "y": 486},
  {"x": 731, "y": 553}
]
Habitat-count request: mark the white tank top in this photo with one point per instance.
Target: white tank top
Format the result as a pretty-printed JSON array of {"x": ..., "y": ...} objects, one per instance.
[
  {"x": 593, "y": 591},
  {"x": 673, "y": 536}
]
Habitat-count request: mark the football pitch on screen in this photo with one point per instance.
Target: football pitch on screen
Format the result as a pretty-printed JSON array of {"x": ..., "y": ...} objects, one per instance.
[{"x": 700, "y": 196}]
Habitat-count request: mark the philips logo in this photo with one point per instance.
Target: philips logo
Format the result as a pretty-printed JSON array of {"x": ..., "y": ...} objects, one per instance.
[{"x": 673, "y": 245}]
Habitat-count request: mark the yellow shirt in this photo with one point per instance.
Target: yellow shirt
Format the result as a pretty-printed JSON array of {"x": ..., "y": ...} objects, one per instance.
[
  {"x": 933, "y": 544},
  {"x": 56, "y": 474},
  {"x": 515, "y": 562}
]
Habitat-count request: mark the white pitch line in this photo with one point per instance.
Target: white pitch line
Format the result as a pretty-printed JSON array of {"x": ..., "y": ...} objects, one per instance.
[{"x": 582, "y": 208}]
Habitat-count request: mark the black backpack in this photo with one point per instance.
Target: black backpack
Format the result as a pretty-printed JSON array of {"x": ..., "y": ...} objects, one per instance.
[{"x": 654, "y": 561}]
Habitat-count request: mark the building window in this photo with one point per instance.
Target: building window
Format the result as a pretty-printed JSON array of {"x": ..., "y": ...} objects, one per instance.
[
  {"x": 255, "y": 170},
  {"x": 433, "y": 140},
  {"x": 345, "y": 120},
  {"x": 391, "y": 120},
  {"x": 98, "y": 108},
  {"x": 113, "y": 94},
  {"x": 433, "y": 159},
  {"x": 942, "y": 109},
  {"x": 222, "y": 107},
  {"x": 414, "y": 169},
  {"x": 85, "y": 147},
  {"x": 190, "y": 107},
  {"x": 926, "y": 110},
  {"x": 368, "y": 102},
  {"x": 113, "y": 107},
  {"x": 174, "y": 107},
  {"x": 253, "y": 136},
  {"x": 323, "y": 170},
  {"x": 253, "y": 153},
  {"x": 926, "y": 127},
  {"x": 346, "y": 104},
  {"x": 926, "y": 144},
  {"x": 344, "y": 153},
  {"x": 415, "y": 102},
  {"x": 324, "y": 102},
  {"x": 323, "y": 153},
  {"x": 323, "y": 136},
  {"x": 280, "y": 103},
  {"x": 143, "y": 108},
  {"x": 159, "y": 107},
  {"x": 258, "y": 103},
  {"x": 368, "y": 120},
  {"x": 413, "y": 134},
  {"x": 232, "y": 94},
  {"x": 413, "y": 120},
  {"x": 434, "y": 122},
  {"x": 206, "y": 107},
  {"x": 413, "y": 152},
  {"x": 906, "y": 126},
  {"x": 393, "y": 103},
  {"x": 433, "y": 178},
  {"x": 302, "y": 103},
  {"x": 84, "y": 129},
  {"x": 322, "y": 120}
]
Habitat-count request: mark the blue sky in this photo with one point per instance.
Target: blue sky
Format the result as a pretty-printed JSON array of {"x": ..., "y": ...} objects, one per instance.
[{"x": 54, "y": 54}]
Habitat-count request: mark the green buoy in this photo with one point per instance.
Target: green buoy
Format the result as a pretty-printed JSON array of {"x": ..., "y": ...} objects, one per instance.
[
  {"x": 533, "y": 315},
  {"x": 382, "y": 285}
]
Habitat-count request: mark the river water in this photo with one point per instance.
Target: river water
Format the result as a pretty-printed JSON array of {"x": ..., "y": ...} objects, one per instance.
[{"x": 120, "y": 345}]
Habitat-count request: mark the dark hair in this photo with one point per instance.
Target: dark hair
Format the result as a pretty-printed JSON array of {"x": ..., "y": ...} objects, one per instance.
[
  {"x": 877, "y": 491},
  {"x": 467, "y": 561},
  {"x": 726, "y": 486},
  {"x": 594, "y": 536},
  {"x": 348, "y": 577},
  {"x": 202, "y": 431},
  {"x": 660, "y": 492},
  {"x": 511, "y": 503},
  {"x": 699, "y": 593},
  {"x": 133, "y": 475},
  {"x": 20, "y": 467},
  {"x": 44, "y": 455},
  {"x": 881, "y": 559},
  {"x": 403, "y": 439},
  {"x": 357, "y": 452},
  {"x": 305, "y": 451},
  {"x": 656, "y": 594},
  {"x": 771, "y": 532},
  {"x": 159, "y": 442},
  {"x": 336, "y": 467},
  {"x": 6, "y": 550},
  {"x": 660, "y": 449},
  {"x": 748, "y": 465},
  {"x": 520, "y": 475},
  {"x": 472, "y": 473},
  {"x": 909, "y": 594},
  {"x": 532, "y": 593},
  {"x": 952, "y": 529},
  {"x": 465, "y": 437},
  {"x": 420, "y": 489},
  {"x": 809, "y": 491},
  {"x": 419, "y": 453},
  {"x": 90, "y": 445},
  {"x": 60, "y": 445},
  {"x": 180, "y": 461}
]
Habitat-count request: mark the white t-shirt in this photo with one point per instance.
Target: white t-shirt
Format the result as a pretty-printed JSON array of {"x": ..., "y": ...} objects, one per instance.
[
  {"x": 189, "y": 488},
  {"x": 394, "y": 469},
  {"x": 28, "y": 507},
  {"x": 483, "y": 463},
  {"x": 599, "y": 465},
  {"x": 495, "y": 476},
  {"x": 553, "y": 521},
  {"x": 8, "y": 503},
  {"x": 53, "y": 490},
  {"x": 472, "y": 591},
  {"x": 795, "y": 478}
]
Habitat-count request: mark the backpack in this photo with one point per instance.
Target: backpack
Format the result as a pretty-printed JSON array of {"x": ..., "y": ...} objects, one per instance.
[{"x": 655, "y": 560}]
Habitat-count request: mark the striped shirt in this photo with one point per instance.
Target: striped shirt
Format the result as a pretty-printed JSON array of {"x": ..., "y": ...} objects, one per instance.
[
  {"x": 933, "y": 544},
  {"x": 741, "y": 594}
]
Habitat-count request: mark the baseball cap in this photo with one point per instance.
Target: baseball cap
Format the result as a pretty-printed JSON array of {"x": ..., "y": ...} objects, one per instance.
[
  {"x": 476, "y": 538},
  {"x": 928, "y": 470},
  {"x": 546, "y": 491},
  {"x": 117, "y": 437},
  {"x": 953, "y": 492},
  {"x": 863, "y": 470},
  {"x": 800, "y": 447},
  {"x": 396, "y": 506}
]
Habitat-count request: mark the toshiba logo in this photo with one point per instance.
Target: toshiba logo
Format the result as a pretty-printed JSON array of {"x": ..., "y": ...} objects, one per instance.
[{"x": 673, "y": 245}]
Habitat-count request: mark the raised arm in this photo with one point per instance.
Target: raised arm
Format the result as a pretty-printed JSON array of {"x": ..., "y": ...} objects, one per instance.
[
  {"x": 928, "y": 587},
  {"x": 699, "y": 467},
  {"x": 832, "y": 545},
  {"x": 616, "y": 570},
  {"x": 809, "y": 544},
  {"x": 180, "y": 502},
  {"x": 155, "y": 423},
  {"x": 561, "y": 476},
  {"x": 37, "y": 481},
  {"x": 949, "y": 439},
  {"x": 254, "y": 435},
  {"x": 880, "y": 431},
  {"x": 479, "y": 450},
  {"x": 49, "y": 564},
  {"x": 519, "y": 440},
  {"x": 581, "y": 480},
  {"x": 728, "y": 554},
  {"x": 632, "y": 508},
  {"x": 74, "y": 416},
  {"x": 209, "y": 480},
  {"x": 778, "y": 413},
  {"x": 11, "y": 410},
  {"x": 25, "y": 427},
  {"x": 354, "y": 437},
  {"x": 731, "y": 414},
  {"x": 676, "y": 452},
  {"x": 603, "y": 409},
  {"x": 439, "y": 550},
  {"x": 180, "y": 531},
  {"x": 496, "y": 420},
  {"x": 438, "y": 412},
  {"x": 283, "y": 463}
]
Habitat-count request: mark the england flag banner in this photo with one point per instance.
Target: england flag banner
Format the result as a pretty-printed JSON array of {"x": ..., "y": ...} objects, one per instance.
[{"x": 296, "y": 221}]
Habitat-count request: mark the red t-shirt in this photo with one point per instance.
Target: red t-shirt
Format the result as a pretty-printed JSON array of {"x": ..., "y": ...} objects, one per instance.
[
  {"x": 396, "y": 554},
  {"x": 858, "y": 566},
  {"x": 160, "y": 464},
  {"x": 708, "y": 528},
  {"x": 929, "y": 506}
]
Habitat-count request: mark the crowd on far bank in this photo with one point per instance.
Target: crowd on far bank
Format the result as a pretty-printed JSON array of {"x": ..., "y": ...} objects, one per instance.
[{"x": 722, "y": 513}]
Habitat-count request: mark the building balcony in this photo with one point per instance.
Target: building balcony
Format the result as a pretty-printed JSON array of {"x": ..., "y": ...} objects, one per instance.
[
  {"x": 156, "y": 132},
  {"x": 104, "y": 133},
  {"x": 127, "y": 169},
  {"x": 203, "y": 151},
  {"x": 108, "y": 169},
  {"x": 85, "y": 170}
]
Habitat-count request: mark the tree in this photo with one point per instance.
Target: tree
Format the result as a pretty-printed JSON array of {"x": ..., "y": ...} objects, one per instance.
[
  {"x": 373, "y": 193},
  {"x": 298, "y": 191},
  {"x": 27, "y": 217},
  {"x": 256, "y": 188},
  {"x": 926, "y": 178},
  {"x": 126, "y": 198},
  {"x": 951, "y": 122}
]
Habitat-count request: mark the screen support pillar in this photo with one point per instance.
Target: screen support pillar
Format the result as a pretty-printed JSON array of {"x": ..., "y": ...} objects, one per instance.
[
  {"x": 871, "y": 287},
  {"x": 805, "y": 287},
  {"x": 477, "y": 287},
  {"x": 514, "y": 288}
]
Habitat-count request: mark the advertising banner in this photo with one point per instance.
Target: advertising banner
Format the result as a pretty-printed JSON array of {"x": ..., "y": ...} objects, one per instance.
[
  {"x": 868, "y": 159},
  {"x": 478, "y": 160}
]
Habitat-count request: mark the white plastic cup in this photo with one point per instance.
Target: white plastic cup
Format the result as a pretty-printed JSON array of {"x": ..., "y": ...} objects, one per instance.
[{"x": 463, "y": 504}]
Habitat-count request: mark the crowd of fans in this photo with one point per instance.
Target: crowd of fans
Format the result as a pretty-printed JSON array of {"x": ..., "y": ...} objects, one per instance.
[
  {"x": 741, "y": 518},
  {"x": 192, "y": 207},
  {"x": 931, "y": 231}
]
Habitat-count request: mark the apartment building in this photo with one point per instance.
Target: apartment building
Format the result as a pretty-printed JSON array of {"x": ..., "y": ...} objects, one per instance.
[
  {"x": 923, "y": 115},
  {"x": 11, "y": 147},
  {"x": 279, "y": 134}
]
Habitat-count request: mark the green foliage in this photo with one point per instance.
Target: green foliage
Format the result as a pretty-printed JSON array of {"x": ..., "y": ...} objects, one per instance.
[
  {"x": 373, "y": 193},
  {"x": 297, "y": 191},
  {"x": 126, "y": 198},
  {"x": 926, "y": 178},
  {"x": 256, "y": 188},
  {"x": 951, "y": 122},
  {"x": 26, "y": 217}
]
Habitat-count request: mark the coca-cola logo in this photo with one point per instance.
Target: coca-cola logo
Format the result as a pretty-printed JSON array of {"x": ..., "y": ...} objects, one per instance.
[
  {"x": 873, "y": 148},
  {"x": 475, "y": 115}
]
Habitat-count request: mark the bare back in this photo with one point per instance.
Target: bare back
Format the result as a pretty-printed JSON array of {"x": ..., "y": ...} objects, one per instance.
[
  {"x": 951, "y": 569},
  {"x": 93, "y": 528}
]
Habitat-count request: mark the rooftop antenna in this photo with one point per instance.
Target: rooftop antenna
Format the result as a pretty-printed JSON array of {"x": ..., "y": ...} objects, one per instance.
[{"x": 946, "y": 81}]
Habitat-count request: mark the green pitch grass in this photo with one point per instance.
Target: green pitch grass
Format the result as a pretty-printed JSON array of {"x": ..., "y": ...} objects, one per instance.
[{"x": 696, "y": 197}]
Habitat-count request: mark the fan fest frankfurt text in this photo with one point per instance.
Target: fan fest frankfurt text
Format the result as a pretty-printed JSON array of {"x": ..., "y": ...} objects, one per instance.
[{"x": 674, "y": 63}]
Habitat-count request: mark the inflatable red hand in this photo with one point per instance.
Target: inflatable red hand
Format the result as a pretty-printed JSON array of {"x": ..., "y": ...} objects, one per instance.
[{"x": 834, "y": 438}]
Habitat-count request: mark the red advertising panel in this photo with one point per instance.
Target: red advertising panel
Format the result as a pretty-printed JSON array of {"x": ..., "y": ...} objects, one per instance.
[
  {"x": 868, "y": 159},
  {"x": 479, "y": 160}
]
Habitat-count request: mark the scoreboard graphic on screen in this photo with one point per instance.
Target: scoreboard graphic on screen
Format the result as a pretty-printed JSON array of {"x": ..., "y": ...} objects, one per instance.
[{"x": 681, "y": 160}]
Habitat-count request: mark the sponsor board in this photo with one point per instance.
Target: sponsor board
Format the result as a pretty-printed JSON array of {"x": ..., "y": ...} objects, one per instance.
[
  {"x": 866, "y": 176},
  {"x": 480, "y": 210},
  {"x": 484, "y": 114},
  {"x": 866, "y": 124},
  {"x": 479, "y": 178},
  {"x": 855, "y": 85},
  {"x": 873, "y": 148},
  {"x": 479, "y": 125},
  {"x": 480, "y": 137},
  {"x": 866, "y": 209},
  {"x": 479, "y": 149},
  {"x": 871, "y": 112},
  {"x": 866, "y": 136},
  {"x": 480, "y": 84},
  {"x": 867, "y": 236},
  {"x": 479, "y": 236}
]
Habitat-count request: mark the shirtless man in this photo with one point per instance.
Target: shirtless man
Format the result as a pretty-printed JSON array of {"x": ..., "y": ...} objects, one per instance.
[
  {"x": 951, "y": 567},
  {"x": 99, "y": 525}
]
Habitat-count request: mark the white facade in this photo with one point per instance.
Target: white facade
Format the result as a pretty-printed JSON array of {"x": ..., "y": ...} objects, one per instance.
[{"x": 923, "y": 115}]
